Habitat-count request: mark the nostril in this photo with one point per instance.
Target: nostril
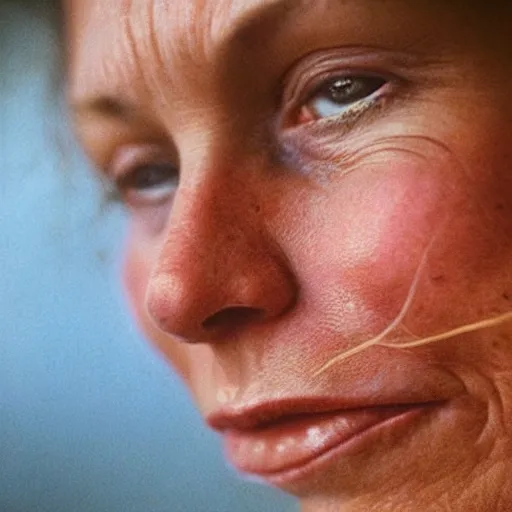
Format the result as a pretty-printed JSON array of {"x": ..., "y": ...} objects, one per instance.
[{"x": 232, "y": 317}]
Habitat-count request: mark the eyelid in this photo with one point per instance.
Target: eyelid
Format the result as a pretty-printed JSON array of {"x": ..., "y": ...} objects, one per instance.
[
  {"x": 129, "y": 157},
  {"x": 131, "y": 162},
  {"x": 350, "y": 60},
  {"x": 314, "y": 86},
  {"x": 305, "y": 78},
  {"x": 346, "y": 120}
]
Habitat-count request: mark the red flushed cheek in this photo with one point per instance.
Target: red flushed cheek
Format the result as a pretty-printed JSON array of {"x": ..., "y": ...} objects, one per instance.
[{"x": 382, "y": 222}]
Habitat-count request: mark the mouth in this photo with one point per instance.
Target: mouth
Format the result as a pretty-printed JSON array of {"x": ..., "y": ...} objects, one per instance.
[{"x": 282, "y": 443}]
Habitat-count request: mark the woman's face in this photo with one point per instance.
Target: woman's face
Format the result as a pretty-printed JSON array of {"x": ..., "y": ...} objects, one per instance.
[{"x": 300, "y": 177}]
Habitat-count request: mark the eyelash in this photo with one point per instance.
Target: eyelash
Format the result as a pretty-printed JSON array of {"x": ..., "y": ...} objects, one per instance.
[
  {"x": 301, "y": 114},
  {"x": 161, "y": 181}
]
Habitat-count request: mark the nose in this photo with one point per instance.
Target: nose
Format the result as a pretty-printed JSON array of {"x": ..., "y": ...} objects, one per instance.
[{"x": 219, "y": 271}]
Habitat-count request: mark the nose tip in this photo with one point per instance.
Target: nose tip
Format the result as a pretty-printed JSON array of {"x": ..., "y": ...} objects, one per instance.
[
  {"x": 196, "y": 309},
  {"x": 174, "y": 307}
]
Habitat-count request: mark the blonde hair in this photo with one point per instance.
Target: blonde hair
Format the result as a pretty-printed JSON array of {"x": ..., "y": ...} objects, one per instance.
[{"x": 397, "y": 322}]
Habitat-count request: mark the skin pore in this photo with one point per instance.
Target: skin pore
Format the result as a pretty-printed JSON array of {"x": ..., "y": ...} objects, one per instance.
[{"x": 299, "y": 175}]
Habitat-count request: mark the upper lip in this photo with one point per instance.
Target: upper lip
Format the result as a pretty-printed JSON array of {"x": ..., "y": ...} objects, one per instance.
[{"x": 265, "y": 414}]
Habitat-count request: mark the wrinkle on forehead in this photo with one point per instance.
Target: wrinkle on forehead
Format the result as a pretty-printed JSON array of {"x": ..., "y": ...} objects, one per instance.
[
  {"x": 200, "y": 29},
  {"x": 141, "y": 49},
  {"x": 136, "y": 47}
]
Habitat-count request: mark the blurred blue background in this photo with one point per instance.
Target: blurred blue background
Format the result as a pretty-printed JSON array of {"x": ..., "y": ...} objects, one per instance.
[{"x": 91, "y": 419}]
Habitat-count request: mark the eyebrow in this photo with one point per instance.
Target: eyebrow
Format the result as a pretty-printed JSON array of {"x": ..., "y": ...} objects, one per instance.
[
  {"x": 104, "y": 106},
  {"x": 267, "y": 17}
]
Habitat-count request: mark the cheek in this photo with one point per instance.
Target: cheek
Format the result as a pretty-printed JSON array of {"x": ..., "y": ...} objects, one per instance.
[{"x": 372, "y": 231}]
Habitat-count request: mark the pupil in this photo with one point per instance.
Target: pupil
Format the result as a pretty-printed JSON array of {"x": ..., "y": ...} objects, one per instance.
[
  {"x": 347, "y": 90},
  {"x": 151, "y": 176},
  {"x": 341, "y": 90}
]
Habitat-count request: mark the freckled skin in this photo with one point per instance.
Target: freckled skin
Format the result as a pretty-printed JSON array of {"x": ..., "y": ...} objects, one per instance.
[{"x": 286, "y": 245}]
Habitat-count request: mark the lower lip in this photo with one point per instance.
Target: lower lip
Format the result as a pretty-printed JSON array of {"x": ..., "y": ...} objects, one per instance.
[{"x": 285, "y": 452}]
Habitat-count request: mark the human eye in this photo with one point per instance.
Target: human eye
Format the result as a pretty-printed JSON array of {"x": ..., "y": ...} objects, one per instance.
[
  {"x": 151, "y": 183},
  {"x": 343, "y": 97},
  {"x": 341, "y": 87},
  {"x": 144, "y": 179}
]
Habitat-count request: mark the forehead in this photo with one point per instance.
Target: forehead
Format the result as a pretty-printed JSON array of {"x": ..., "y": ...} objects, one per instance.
[
  {"x": 184, "y": 19},
  {"x": 126, "y": 38},
  {"x": 193, "y": 25},
  {"x": 131, "y": 47}
]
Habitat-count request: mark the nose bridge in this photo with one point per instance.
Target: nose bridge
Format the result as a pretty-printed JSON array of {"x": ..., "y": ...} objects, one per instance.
[
  {"x": 210, "y": 212},
  {"x": 195, "y": 244},
  {"x": 206, "y": 198}
]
